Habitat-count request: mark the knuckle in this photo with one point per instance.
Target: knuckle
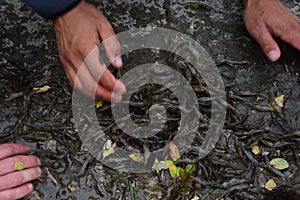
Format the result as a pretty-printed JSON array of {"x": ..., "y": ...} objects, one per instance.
[
  {"x": 81, "y": 48},
  {"x": 291, "y": 31},
  {"x": 268, "y": 44},
  {"x": 18, "y": 158},
  {"x": 66, "y": 56},
  {"x": 106, "y": 25},
  {"x": 6, "y": 149},
  {"x": 18, "y": 179}
]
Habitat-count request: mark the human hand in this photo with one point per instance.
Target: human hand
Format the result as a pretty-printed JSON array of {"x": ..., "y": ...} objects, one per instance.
[
  {"x": 15, "y": 184},
  {"x": 78, "y": 32},
  {"x": 267, "y": 18}
]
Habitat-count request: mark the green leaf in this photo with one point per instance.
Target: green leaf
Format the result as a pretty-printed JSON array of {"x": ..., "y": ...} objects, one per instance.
[
  {"x": 175, "y": 172},
  {"x": 190, "y": 168},
  {"x": 279, "y": 163}
]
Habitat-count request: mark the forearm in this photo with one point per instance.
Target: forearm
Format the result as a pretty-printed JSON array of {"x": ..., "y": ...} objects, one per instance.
[{"x": 50, "y": 9}]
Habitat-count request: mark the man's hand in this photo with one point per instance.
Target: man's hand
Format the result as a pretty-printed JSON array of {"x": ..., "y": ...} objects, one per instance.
[
  {"x": 265, "y": 19},
  {"x": 78, "y": 32},
  {"x": 14, "y": 183}
]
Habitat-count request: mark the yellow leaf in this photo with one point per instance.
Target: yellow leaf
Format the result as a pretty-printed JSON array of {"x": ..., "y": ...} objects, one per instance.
[
  {"x": 19, "y": 166},
  {"x": 136, "y": 158},
  {"x": 174, "y": 151},
  {"x": 170, "y": 165},
  {"x": 270, "y": 185},
  {"x": 45, "y": 88},
  {"x": 279, "y": 163},
  {"x": 174, "y": 171},
  {"x": 265, "y": 153},
  {"x": 99, "y": 104},
  {"x": 279, "y": 100},
  {"x": 255, "y": 150}
]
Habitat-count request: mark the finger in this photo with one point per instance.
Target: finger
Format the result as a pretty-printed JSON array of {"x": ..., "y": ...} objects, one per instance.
[
  {"x": 84, "y": 82},
  {"x": 110, "y": 42},
  {"x": 10, "y": 149},
  {"x": 266, "y": 42},
  {"x": 100, "y": 72},
  {"x": 110, "y": 82},
  {"x": 15, "y": 179},
  {"x": 7, "y": 165},
  {"x": 16, "y": 193},
  {"x": 292, "y": 33}
]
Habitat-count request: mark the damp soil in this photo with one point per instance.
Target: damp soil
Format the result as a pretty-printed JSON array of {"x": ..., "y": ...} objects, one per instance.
[{"x": 44, "y": 121}]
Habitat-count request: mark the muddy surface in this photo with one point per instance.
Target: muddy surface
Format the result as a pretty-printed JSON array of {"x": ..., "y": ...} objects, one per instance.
[{"x": 44, "y": 121}]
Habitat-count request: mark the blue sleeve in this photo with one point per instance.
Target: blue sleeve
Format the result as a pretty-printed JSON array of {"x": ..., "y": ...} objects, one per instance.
[{"x": 50, "y": 9}]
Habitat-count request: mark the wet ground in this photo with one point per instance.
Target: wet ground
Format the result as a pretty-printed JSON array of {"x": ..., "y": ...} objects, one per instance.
[{"x": 44, "y": 121}]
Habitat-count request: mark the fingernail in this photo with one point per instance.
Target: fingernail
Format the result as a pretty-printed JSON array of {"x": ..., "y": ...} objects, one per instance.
[
  {"x": 30, "y": 186},
  {"x": 27, "y": 148},
  {"x": 39, "y": 162},
  {"x": 273, "y": 55},
  {"x": 120, "y": 87},
  {"x": 116, "y": 98},
  {"x": 119, "y": 62}
]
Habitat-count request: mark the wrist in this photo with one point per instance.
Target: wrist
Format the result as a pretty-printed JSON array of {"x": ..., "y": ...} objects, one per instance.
[{"x": 50, "y": 9}]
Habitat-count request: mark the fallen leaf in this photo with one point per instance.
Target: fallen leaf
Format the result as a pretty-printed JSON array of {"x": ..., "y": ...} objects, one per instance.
[
  {"x": 255, "y": 150},
  {"x": 99, "y": 104},
  {"x": 195, "y": 198},
  {"x": 190, "y": 168},
  {"x": 279, "y": 100},
  {"x": 136, "y": 158},
  {"x": 154, "y": 181},
  {"x": 175, "y": 172},
  {"x": 108, "y": 149},
  {"x": 270, "y": 185},
  {"x": 279, "y": 163},
  {"x": 158, "y": 166},
  {"x": 170, "y": 164},
  {"x": 265, "y": 153},
  {"x": 45, "y": 88},
  {"x": 174, "y": 151},
  {"x": 19, "y": 166}
]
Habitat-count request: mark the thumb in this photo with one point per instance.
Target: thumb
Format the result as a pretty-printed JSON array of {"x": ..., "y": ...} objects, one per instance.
[{"x": 268, "y": 44}]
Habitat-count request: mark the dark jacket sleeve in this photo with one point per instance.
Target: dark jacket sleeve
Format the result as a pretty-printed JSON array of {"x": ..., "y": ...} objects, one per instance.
[{"x": 50, "y": 9}]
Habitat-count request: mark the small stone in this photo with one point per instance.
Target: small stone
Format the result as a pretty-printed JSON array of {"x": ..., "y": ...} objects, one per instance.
[{"x": 73, "y": 186}]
